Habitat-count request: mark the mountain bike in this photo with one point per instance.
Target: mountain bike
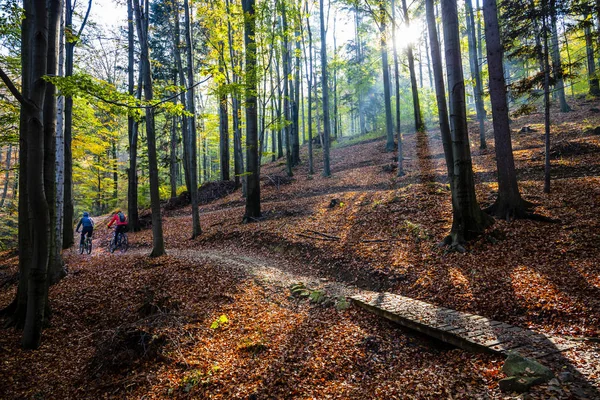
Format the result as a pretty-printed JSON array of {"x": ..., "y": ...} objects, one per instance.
[
  {"x": 86, "y": 245},
  {"x": 120, "y": 242}
]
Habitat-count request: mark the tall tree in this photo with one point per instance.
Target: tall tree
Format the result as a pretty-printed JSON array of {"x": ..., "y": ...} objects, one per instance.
[
  {"x": 310, "y": 82},
  {"x": 389, "y": 124},
  {"x": 475, "y": 72},
  {"x": 158, "y": 245},
  {"x": 223, "y": 121},
  {"x": 469, "y": 221},
  {"x": 191, "y": 108},
  {"x": 509, "y": 203},
  {"x": 72, "y": 39},
  {"x": 325, "y": 88},
  {"x": 419, "y": 125},
  {"x": 557, "y": 63},
  {"x": 39, "y": 46},
  {"x": 132, "y": 128},
  {"x": 252, "y": 156},
  {"x": 397, "y": 90}
]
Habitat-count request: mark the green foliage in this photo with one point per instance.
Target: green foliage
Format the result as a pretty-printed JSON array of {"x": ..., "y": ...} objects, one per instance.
[{"x": 220, "y": 322}]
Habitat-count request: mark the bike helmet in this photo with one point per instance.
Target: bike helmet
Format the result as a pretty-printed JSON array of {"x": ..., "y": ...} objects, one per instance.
[{"x": 86, "y": 214}]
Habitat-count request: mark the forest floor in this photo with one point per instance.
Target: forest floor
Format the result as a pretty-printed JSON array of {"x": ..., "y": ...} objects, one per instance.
[{"x": 215, "y": 317}]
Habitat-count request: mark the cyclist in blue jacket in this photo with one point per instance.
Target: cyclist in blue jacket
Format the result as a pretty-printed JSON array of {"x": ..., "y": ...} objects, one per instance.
[{"x": 88, "y": 226}]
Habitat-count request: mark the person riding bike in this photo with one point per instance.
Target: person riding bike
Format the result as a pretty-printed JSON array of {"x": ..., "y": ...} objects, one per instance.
[
  {"x": 88, "y": 227},
  {"x": 121, "y": 222}
]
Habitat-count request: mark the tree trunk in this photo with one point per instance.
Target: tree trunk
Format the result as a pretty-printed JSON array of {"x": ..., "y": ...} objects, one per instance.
[
  {"x": 55, "y": 264},
  {"x": 132, "y": 129},
  {"x": 361, "y": 114},
  {"x": 469, "y": 221},
  {"x": 397, "y": 91},
  {"x": 324, "y": 82},
  {"x": 475, "y": 72},
  {"x": 236, "y": 111},
  {"x": 60, "y": 153},
  {"x": 419, "y": 125},
  {"x": 589, "y": 46},
  {"x": 309, "y": 80},
  {"x": 387, "y": 95},
  {"x": 158, "y": 245},
  {"x": 252, "y": 159},
  {"x": 173, "y": 149},
  {"x": 547, "y": 98},
  {"x": 296, "y": 97},
  {"x": 191, "y": 107},
  {"x": 509, "y": 203},
  {"x": 557, "y": 65},
  {"x": 223, "y": 121},
  {"x": 6, "y": 175},
  {"x": 286, "y": 93},
  {"x": 440, "y": 91}
]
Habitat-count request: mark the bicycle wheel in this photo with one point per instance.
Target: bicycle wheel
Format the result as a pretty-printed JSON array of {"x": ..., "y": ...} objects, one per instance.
[
  {"x": 112, "y": 246},
  {"x": 89, "y": 246},
  {"x": 124, "y": 243},
  {"x": 81, "y": 246}
]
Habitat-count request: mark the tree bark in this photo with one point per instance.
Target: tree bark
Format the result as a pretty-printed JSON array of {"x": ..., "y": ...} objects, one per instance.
[
  {"x": 223, "y": 121},
  {"x": 397, "y": 90},
  {"x": 594, "y": 82},
  {"x": 158, "y": 245},
  {"x": 132, "y": 129},
  {"x": 469, "y": 221},
  {"x": 509, "y": 203},
  {"x": 326, "y": 122},
  {"x": 419, "y": 125},
  {"x": 309, "y": 80},
  {"x": 387, "y": 95},
  {"x": 557, "y": 65},
  {"x": 191, "y": 106},
  {"x": 286, "y": 94},
  {"x": 475, "y": 73},
  {"x": 252, "y": 158}
]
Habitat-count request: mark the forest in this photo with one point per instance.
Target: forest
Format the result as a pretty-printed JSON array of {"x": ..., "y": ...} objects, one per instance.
[{"x": 319, "y": 199}]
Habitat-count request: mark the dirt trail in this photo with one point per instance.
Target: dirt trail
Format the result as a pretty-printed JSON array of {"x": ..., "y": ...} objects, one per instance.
[{"x": 272, "y": 272}]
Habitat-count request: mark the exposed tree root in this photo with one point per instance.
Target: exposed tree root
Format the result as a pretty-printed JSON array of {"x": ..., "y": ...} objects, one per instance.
[{"x": 516, "y": 210}]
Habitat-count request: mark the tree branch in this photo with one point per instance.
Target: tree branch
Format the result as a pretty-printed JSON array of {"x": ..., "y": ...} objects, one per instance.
[{"x": 13, "y": 89}]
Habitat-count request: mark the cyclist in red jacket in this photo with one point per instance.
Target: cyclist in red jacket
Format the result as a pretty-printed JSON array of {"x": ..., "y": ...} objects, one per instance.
[{"x": 121, "y": 221}]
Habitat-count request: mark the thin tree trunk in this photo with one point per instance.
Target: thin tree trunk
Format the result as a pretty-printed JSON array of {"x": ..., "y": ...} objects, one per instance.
[
  {"x": 557, "y": 65},
  {"x": 387, "y": 95},
  {"x": 223, "y": 121},
  {"x": 132, "y": 129},
  {"x": 361, "y": 114},
  {"x": 397, "y": 91},
  {"x": 419, "y": 125},
  {"x": 475, "y": 72},
  {"x": 326, "y": 123},
  {"x": 6, "y": 175},
  {"x": 173, "y": 149},
  {"x": 286, "y": 94},
  {"x": 296, "y": 93},
  {"x": 309, "y": 80},
  {"x": 60, "y": 152},
  {"x": 546, "y": 98},
  {"x": 191, "y": 107}
]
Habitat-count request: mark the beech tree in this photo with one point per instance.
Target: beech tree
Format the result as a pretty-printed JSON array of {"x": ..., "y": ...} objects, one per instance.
[
  {"x": 252, "y": 156},
  {"x": 158, "y": 244},
  {"x": 39, "y": 57},
  {"x": 469, "y": 220}
]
